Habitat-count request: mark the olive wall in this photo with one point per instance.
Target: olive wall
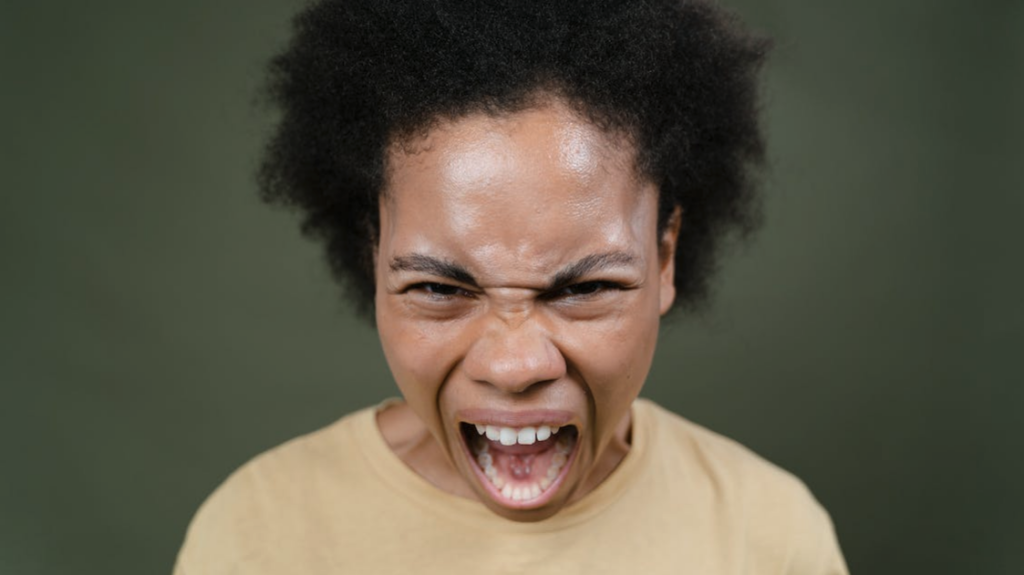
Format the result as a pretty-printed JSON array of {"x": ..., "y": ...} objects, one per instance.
[{"x": 158, "y": 326}]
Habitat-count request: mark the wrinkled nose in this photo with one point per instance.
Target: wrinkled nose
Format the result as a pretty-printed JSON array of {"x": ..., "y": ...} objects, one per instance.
[{"x": 514, "y": 358}]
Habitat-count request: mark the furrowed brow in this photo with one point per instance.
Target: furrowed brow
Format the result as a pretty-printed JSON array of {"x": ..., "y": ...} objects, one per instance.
[
  {"x": 433, "y": 266},
  {"x": 576, "y": 270}
]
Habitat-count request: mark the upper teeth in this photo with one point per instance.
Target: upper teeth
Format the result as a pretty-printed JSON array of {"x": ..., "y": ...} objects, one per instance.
[{"x": 513, "y": 435}]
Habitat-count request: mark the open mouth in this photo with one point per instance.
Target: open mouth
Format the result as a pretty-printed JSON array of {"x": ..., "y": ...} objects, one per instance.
[{"x": 521, "y": 467}]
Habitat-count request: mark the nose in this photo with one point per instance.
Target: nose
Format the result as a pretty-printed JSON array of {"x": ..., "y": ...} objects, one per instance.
[{"x": 513, "y": 358}]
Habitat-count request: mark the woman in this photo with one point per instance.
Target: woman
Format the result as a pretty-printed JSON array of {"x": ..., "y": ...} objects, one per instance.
[{"x": 518, "y": 191}]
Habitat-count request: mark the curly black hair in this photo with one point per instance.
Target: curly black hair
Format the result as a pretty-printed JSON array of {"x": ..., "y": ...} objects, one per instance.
[{"x": 679, "y": 77}]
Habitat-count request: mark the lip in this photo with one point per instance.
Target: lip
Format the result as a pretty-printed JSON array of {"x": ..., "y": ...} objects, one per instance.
[
  {"x": 528, "y": 417},
  {"x": 518, "y": 419}
]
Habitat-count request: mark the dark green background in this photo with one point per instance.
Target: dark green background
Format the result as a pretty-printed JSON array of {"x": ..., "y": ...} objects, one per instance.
[{"x": 158, "y": 326}]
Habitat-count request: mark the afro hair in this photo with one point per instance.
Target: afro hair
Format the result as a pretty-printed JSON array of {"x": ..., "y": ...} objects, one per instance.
[{"x": 679, "y": 77}]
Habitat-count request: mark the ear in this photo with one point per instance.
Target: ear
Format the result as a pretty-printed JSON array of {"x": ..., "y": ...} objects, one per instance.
[{"x": 667, "y": 257}]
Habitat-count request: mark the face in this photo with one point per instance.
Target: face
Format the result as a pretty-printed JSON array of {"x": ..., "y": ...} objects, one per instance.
[{"x": 520, "y": 284}]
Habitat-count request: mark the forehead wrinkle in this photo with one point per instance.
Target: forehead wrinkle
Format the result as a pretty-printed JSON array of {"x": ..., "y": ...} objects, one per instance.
[{"x": 503, "y": 267}]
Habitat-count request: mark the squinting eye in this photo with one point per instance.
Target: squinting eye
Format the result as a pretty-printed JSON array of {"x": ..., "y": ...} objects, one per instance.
[
  {"x": 437, "y": 289},
  {"x": 585, "y": 289}
]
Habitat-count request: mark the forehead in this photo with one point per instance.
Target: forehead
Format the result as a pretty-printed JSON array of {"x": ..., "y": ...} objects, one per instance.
[
  {"x": 550, "y": 126},
  {"x": 538, "y": 185}
]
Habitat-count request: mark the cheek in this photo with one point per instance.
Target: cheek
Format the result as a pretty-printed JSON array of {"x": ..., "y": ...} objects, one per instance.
[
  {"x": 417, "y": 370},
  {"x": 421, "y": 356},
  {"x": 615, "y": 384},
  {"x": 412, "y": 357},
  {"x": 614, "y": 360},
  {"x": 407, "y": 353}
]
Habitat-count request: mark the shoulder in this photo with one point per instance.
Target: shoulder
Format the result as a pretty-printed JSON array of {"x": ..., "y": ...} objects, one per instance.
[
  {"x": 731, "y": 467},
  {"x": 781, "y": 522},
  {"x": 272, "y": 495}
]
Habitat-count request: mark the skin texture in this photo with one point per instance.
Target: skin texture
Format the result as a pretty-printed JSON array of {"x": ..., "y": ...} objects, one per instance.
[{"x": 478, "y": 219}]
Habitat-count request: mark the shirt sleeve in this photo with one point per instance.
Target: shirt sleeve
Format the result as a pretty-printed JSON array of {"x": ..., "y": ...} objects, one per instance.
[{"x": 816, "y": 551}]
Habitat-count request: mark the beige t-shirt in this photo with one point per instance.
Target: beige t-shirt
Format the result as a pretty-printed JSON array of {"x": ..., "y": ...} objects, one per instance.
[{"x": 684, "y": 500}]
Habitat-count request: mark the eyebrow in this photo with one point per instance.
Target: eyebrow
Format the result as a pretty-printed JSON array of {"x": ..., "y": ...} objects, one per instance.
[
  {"x": 571, "y": 273},
  {"x": 564, "y": 277},
  {"x": 434, "y": 266}
]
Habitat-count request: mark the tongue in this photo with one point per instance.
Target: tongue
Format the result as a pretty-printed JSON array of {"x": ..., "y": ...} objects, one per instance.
[
  {"x": 523, "y": 467},
  {"x": 524, "y": 464},
  {"x": 517, "y": 466}
]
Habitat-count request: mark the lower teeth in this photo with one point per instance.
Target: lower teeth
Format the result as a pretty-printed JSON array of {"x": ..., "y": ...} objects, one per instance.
[{"x": 526, "y": 492}]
